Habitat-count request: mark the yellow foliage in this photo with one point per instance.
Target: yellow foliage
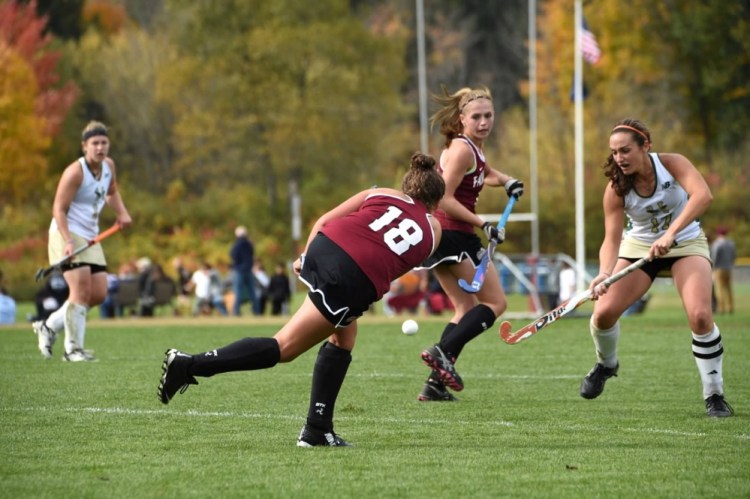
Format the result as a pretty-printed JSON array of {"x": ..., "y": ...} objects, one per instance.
[{"x": 23, "y": 142}]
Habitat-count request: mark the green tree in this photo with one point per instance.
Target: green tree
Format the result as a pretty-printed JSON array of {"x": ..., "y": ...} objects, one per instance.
[
  {"x": 118, "y": 75},
  {"x": 268, "y": 90},
  {"x": 64, "y": 17}
]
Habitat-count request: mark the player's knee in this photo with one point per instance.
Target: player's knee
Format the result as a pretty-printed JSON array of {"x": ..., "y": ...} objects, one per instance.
[
  {"x": 498, "y": 305},
  {"x": 701, "y": 320},
  {"x": 603, "y": 319}
]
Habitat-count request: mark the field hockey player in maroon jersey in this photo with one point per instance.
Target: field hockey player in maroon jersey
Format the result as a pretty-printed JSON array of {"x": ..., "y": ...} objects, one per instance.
[
  {"x": 466, "y": 118},
  {"x": 352, "y": 255}
]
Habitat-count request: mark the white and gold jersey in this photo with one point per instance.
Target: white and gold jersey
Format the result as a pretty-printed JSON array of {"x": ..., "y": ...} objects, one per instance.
[
  {"x": 648, "y": 217},
  {"x": 83, "y": 213}
]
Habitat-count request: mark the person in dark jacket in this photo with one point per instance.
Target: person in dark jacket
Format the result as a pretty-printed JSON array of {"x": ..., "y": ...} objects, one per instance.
[
  {"x": 278, "y": 290},
  {"x": 243, "y": 281}
]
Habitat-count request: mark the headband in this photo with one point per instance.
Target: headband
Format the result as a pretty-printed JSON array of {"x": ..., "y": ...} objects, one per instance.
[
  {"x": 94, "y": 132},
  {"x": 462, "y": 105},
  {"x": 631, "y": 128}
]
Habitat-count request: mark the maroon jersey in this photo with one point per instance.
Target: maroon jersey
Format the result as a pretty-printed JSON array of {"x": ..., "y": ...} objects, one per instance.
[
  {"x": 467, "y": 192},
  {"x": 386, "y": 237}
]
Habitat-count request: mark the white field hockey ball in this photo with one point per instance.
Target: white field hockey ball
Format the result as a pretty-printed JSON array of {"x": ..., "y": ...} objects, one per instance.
[{"x": 409, "y": 327}]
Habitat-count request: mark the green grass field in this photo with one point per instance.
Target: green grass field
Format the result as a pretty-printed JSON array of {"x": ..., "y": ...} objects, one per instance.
[{"x": 519, "y": 430}]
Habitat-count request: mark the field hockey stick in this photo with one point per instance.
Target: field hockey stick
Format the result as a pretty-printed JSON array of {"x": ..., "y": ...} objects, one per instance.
[
  {"x": 481, "y": 272},
  {"x": 561, "y": 311},
  {"x": 44, "y": 272}
]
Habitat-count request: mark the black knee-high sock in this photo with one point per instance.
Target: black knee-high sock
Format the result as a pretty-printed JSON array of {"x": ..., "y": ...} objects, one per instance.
[
  {"x": 328, "y": 376},
  {"x": 434, "y": 376},
  {"x": 471, "y": 325},
  {"x": 247, "y": 354}
]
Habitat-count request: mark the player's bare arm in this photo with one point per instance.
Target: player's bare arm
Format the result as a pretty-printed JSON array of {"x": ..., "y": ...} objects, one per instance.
[
  {"x": 614, "y": 218},
  {"x": 699, "y": 194},
  {"x": 115, "y": 200}
]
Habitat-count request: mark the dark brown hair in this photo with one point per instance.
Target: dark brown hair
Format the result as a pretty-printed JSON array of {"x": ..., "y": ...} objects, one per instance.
[
  {"x": 621, "y": 183},
  {"x": 422, "y": 182}
]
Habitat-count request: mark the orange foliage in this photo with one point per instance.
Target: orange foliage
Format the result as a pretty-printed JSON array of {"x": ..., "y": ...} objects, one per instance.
[
  {"x": 106, "y": 16},
  {"x": 21, "y": 249},
  {"x": 23, "y": 31}
]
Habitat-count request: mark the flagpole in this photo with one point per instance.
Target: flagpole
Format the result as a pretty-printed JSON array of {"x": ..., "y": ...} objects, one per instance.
[
  {"x": 422, "y": 76},
  {"x": 578, "y": 99},
  {"x": 533, "y": 127}
]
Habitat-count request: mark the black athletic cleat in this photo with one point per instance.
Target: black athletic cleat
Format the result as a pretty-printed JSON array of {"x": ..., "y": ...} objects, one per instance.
[
  {"x": 310, "y": 437},
  {"x": 593, "y": 384},
  {"x": 436, "y": 359},
  {"x": 175, "y": 375},
  {"x": 717, "y": 407},
  {"x": 435, "y": 391}
]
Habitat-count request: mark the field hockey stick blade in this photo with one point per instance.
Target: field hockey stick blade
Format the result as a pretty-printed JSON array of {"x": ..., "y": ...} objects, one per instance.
[
  {"x": 481, "y": 271},
  {"x": 511, "y": 338}
]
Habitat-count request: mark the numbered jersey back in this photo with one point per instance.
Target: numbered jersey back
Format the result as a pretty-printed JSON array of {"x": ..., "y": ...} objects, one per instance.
[{"x": 386, "y": 237}]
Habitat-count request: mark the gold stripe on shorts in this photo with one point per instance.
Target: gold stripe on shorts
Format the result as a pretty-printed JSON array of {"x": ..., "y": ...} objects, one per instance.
[{"x": 634, "y": 248}]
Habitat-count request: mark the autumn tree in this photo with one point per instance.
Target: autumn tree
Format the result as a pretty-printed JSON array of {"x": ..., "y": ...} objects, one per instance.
[
  {"x": 118, "y": 73},
  {"x": 22, "y": 145},
  {"x": 274, "y": 89},
  {"x": 22, "y": 35}
]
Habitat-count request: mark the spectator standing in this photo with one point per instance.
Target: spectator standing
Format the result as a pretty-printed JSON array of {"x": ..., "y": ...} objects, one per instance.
[
  {"x": 242, "y": 255},
  {"x": 279, "y": 290},
  {"x": 261, "y": 291},
  {"x": 723, "y": 254}
]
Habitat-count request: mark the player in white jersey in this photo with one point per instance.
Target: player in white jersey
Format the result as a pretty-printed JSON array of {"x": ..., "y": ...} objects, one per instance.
[
  {"x": 85, "y": 186},
  {"x": 662, "y": 196}
]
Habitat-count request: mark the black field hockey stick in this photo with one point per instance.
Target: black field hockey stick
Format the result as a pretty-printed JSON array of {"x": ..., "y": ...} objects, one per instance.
[
  {"x": 481, "y": 272},
  {"x": 44, "y": 272}
]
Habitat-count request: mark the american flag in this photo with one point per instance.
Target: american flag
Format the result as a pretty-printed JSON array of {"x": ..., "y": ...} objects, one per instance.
[{"x": 589, "y": 46}]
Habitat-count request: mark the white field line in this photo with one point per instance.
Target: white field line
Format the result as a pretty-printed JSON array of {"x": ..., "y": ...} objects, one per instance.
[{"x": 387, "y": 420}]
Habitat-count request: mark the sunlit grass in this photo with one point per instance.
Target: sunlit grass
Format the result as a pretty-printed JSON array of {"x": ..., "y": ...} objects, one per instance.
[{"x": 519, "y": 430}]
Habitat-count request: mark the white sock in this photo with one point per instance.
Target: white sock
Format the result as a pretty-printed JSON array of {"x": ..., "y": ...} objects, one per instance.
[
  {"x": 75, "y": 327},
  {"x": 56, "y": 320},
  {"x": 605, "y": 341},
  {"x": 709, "y": 353}
]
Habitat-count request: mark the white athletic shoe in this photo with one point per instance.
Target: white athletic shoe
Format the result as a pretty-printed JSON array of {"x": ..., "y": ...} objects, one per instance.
[
  {"x": 45, "y": 338},
  {"x": 79, "y": 356}
]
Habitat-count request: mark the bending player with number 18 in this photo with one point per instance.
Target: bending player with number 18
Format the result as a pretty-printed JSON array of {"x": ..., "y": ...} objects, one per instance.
[
  {"x": 352, "y": 255},
  {"x": 466, "y": 118},
  {"x": 662, "y": 195}
]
